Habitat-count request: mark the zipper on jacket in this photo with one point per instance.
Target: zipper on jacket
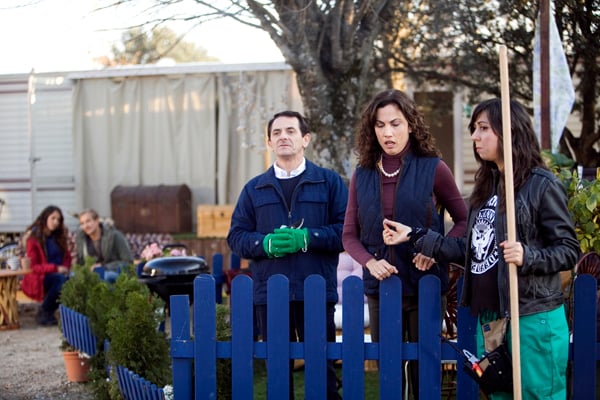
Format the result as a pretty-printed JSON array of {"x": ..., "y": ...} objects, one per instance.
[
  {"x": 503, "y": 269},
  {"x": 292, "y": 202}
]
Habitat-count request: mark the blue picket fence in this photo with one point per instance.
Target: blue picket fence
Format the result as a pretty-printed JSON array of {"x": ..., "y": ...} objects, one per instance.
[
  {"x": 353, "y": 350},
  {"x": 77, "y": 330},
  {"x": 203, "y": 350},
  {"x": 134, "y": 387}
]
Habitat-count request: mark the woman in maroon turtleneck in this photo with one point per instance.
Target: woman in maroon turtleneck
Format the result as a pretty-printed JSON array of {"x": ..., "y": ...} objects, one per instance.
[{"x": 399, "y": 175}]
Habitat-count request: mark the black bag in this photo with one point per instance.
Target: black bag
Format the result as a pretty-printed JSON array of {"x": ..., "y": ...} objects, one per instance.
[{"x": 493, "y": 373}]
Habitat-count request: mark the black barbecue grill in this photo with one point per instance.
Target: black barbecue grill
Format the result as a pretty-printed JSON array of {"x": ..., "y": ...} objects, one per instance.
[{"x": 167, "y": 276}]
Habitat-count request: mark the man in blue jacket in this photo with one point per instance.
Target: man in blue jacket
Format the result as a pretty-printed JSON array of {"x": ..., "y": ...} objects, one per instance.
[{"x": 289, "y": 221}]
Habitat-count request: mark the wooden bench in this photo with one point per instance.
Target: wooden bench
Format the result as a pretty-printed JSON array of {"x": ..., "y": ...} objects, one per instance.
[{"x": 9, "y": 313}]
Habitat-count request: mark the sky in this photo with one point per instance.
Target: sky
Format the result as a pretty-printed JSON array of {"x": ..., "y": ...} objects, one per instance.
[{"x": 66, "y": 35}]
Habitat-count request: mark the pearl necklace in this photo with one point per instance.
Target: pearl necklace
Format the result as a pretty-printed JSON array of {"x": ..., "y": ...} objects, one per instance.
[{"x": 393, "y": 174}]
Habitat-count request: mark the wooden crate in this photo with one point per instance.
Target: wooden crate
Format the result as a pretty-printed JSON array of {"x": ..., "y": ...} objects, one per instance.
[{"x": 213, "y": 221}]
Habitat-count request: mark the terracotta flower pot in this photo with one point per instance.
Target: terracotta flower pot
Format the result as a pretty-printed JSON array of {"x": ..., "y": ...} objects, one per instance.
[{"x": 77, "y": 367}]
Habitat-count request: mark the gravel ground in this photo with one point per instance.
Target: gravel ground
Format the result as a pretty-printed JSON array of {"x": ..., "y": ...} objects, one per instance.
[{"x": 31, "y": 363}]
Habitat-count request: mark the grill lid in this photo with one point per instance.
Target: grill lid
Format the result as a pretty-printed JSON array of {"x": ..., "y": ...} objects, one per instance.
[{"x": 175, "y": 265}]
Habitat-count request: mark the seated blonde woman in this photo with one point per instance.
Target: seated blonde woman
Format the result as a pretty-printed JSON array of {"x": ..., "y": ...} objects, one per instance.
[{"x": 103, "y": 242}]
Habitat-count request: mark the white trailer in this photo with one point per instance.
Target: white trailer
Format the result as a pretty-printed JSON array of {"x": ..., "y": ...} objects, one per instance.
[
  {"x": 36, "y": 162},
  {"x": 69, "y": 138}
]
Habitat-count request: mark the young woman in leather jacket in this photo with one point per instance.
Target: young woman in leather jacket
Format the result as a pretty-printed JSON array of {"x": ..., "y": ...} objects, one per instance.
[{"x": 545, "y": 245}]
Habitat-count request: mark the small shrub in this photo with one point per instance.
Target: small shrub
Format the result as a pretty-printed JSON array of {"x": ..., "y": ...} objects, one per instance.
[
  {"x": 583, "y": 203},
  {"x": 76, "y": 291},
  {"x": 126, "y": 315},
  {"x": 135, "y": 341}
]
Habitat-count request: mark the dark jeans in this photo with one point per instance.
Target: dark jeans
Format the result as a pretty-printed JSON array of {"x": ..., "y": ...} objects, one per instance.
[
  {"x": 297, "y": 335},
  {"x": 52, "y": 285},
  {"x": 107, "y": 275}
]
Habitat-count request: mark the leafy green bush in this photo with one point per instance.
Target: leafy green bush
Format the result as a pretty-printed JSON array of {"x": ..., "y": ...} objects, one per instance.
[
  {"x": 127, "y": 315},
  {"x": 135, "y": 341},
  {"x": 76, "y": 291},
  {"x": 584, "y": 200}
]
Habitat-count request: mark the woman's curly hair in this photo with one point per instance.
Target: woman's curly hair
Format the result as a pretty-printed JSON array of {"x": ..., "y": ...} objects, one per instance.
[{"x": 367, "y": 147}]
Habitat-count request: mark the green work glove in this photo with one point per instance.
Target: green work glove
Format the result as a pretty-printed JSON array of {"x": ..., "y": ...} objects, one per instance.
[
  {"x": 299, "y": 238},
  {"x": 278, "y": 244},
  {"x": 283, "y": 243}
]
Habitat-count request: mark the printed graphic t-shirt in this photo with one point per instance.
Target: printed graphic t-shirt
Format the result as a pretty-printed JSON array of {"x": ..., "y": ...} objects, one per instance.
[{"x": 484, "y": 261}]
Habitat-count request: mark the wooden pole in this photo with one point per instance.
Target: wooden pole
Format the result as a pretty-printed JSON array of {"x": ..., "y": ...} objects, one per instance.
[
  {"x": 545, "y": 74},
  {"x": 510, "y": 221}
]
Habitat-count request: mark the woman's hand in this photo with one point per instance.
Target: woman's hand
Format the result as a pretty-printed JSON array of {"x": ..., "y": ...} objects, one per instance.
[
  {"x": 422, "y": 262},
  {"x": 381, "y": 269},
  {"x": 513, "y": 252},
  {"x": 395, "y": 232},
  {"x": 61, "y": 269}
]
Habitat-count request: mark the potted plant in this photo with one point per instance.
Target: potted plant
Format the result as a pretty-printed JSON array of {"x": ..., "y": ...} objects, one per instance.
[{"x": 77, "y": 365}]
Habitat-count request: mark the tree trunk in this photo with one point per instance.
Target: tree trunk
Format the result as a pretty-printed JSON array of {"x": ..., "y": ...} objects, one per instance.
[
  {"x": 331, "y": 49},
  {"x": 333, "y": 108}
]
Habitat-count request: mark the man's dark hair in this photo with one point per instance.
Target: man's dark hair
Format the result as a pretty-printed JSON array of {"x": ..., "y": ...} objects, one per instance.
[{"x": 302, "y": 122}]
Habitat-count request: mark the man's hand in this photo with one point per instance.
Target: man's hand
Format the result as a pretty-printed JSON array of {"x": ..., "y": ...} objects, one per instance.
[
  {"x": 95, "y": 266},
  {"x": 298, "y": 237},
  {"x": 286, "y": 241},
  {"x": 278, "y": 244}
]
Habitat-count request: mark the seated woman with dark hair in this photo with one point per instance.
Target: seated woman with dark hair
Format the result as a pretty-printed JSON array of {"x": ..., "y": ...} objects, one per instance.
[{"x": 50, "y": 260}]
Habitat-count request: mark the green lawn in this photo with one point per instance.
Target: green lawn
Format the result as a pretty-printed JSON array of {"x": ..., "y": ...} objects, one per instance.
[{"x": 371, "y": 383}]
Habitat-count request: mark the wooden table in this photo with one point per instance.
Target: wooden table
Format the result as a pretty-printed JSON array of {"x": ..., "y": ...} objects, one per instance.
[{"x": 9, "y": 314}]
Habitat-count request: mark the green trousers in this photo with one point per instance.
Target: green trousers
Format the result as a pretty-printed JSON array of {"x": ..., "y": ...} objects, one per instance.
[{"x": 544, "y": 351}]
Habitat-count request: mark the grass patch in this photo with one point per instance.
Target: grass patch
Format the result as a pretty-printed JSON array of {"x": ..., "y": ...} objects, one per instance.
[
  {"x": 260, "y": 382},
  {"x": 371, "y": 383}
]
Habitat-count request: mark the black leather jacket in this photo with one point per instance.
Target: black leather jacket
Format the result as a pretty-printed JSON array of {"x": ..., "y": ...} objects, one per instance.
[{"x": 544, "y": 228}]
